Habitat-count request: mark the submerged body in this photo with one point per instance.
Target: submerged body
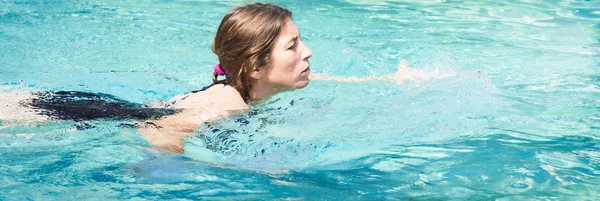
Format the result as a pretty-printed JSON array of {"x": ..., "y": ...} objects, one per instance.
[
  {"x": 164, "y": 124},
  {"x": 14, "y": 107}
]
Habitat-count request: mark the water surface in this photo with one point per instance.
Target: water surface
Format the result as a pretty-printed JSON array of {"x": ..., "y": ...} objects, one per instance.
[{"x": 510, "y": 110}]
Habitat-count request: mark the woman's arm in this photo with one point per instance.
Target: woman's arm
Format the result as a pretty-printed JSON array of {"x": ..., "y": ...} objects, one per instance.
[
  {"x": 168, "y": 132},
  {"x": 402, "y": 74},
  {"x": 345, "y": 79}
]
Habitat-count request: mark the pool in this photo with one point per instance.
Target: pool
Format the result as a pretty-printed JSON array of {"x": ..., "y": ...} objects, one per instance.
[{"x": 511, "y": 109}]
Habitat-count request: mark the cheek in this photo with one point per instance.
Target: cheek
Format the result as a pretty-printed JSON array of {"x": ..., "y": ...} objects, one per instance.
[
  {"x": 285, "y": 68},
  {"x": 286, "y": 64},
  {"x": 292, "y": 61}
]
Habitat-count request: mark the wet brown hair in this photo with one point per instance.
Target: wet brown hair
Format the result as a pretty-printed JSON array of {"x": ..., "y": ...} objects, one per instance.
[{"x": 244, "y": 42}]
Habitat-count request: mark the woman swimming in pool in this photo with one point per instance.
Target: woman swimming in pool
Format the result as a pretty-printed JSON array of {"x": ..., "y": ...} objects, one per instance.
[{"x": 260, "y": 54}]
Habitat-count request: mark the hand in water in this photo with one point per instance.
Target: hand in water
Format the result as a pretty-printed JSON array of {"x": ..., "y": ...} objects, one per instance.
[{"x": 404, "y": 72}]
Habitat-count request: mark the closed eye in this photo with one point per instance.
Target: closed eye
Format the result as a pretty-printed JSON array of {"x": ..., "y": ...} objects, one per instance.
[
  {"x": 294, "y": 41},
  {"x": 292, "y": 47}
]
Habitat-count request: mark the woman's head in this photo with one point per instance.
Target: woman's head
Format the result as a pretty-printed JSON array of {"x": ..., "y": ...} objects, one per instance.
[{"x": 259, "y": 48}]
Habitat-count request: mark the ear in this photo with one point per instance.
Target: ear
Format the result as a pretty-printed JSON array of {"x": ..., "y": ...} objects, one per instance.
[{"x": 257, "y": 73}]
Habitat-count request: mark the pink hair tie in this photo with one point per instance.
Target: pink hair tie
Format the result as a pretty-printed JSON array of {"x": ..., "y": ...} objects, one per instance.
[{"x": 218, "y": 70}]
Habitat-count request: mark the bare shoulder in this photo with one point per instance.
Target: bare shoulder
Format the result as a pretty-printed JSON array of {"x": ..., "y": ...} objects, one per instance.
[
  {"x": 195, "y": 108},
  {"x": 213, "y": 103},
  {"x": 218, "y": 97}
]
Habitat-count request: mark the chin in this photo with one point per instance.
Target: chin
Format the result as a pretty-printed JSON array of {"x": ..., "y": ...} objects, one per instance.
[
  {"x": 293, "y": 86},
  {"x": 302, "y": 84}
]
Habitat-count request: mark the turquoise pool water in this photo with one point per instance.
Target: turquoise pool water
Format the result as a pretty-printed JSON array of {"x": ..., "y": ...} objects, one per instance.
[{"x": 511, "y": 109}]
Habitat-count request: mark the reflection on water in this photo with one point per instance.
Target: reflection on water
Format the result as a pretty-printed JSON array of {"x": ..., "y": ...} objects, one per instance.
[{"x": 509, "y": 112}]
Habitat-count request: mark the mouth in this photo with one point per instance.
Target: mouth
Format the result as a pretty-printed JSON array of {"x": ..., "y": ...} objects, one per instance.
[{"x": 306, "y": 70}]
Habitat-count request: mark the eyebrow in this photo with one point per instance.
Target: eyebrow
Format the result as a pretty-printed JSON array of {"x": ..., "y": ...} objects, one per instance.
[{"x": 293, "y": 39}]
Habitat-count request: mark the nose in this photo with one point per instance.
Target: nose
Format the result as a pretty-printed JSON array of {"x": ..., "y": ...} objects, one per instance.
[{"x": 307, "y": 53}]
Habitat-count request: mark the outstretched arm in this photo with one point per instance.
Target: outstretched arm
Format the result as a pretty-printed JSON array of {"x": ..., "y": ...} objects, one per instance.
[{"x": 404, "y": 72}]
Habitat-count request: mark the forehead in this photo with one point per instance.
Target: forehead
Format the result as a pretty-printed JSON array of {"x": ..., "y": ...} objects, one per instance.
[{"x": 289, "y": 30}]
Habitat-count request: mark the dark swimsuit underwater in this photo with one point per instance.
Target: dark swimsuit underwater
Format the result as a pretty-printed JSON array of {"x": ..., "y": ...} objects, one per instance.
[{"x": 80, "y": 106}]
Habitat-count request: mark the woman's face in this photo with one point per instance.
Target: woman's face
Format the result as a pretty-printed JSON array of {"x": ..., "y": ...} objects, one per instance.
[{"x": 289, "y": 67}]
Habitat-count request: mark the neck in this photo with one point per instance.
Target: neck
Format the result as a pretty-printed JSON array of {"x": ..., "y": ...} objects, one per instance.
[{"x": 261, "y": 92}]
